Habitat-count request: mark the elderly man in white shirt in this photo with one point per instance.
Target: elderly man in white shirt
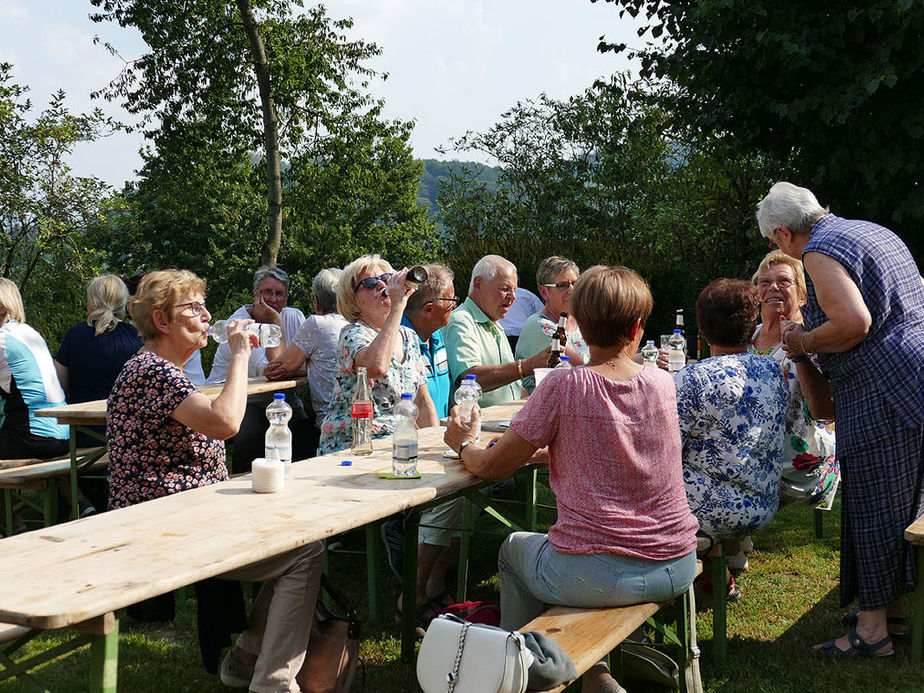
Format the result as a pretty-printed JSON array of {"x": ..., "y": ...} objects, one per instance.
[{"x": 270, "y": 295}]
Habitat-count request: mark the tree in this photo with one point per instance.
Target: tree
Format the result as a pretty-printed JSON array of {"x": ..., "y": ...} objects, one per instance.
[
  {"x": 311, "y": 80},
  {"x": 837, "y": 86},
  {"x": 44, "y": 209},
  {"x": 598, "y": 179}
]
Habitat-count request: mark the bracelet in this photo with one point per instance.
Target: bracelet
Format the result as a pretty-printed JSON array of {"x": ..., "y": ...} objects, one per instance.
[
  {"x": 805, "y": 350},
  {"x": 465, "y": 444},
  {"x": 520, "y": 368}
]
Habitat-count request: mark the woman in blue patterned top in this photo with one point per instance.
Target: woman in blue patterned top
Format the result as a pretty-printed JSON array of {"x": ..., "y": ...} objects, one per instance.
[
  {"x": 864, "y": 317},
  {"x": 732, "y": 409}
]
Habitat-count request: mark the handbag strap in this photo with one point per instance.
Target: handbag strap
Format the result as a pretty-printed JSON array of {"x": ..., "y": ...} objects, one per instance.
[{"x": 453, "y": 675}]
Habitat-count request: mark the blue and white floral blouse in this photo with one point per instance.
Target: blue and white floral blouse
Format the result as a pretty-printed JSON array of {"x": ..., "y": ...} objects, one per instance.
[{"x": 732, "y": 424}]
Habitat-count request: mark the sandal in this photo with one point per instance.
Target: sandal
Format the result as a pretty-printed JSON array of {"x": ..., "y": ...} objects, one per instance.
[
  {"x": 896, "y": 624},
  {"x": 425, "y": 613},
  {"x": 442, "y": 600},
  {"x": 858, "y": 647},
  {"x": 704, "y": 593}
]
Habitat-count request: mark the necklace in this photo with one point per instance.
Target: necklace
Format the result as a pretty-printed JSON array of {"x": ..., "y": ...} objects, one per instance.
[{"x": 612, "y": 363}]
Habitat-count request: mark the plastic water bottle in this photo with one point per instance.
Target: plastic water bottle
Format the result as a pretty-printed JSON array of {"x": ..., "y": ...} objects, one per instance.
[
  {"x": 404, "y": 437},
  {"x": 278, "y": 441},
  {"x": 467, "y": 397},
  {"x": 650, "y": 353},
  {"x": 676, "y": 351},
  {"x": 269, "y": 335},
  {"x": 361, "y": 412},
  {"x": 564, "y": 363}
]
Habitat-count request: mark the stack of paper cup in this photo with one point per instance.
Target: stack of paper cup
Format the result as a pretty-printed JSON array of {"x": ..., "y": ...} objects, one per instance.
[
  {"x": 269, "y": 476},
  {"x": 540, "y": 373}
]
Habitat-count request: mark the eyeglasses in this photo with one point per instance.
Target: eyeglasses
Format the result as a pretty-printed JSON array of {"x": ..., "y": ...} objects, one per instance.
[
  {"x": 271, "y": 294},
  {"x": 780, "y": 283},
  {"x": 564, "y": 286},
  {"x": 372, "y": 282},
  {"x": 455, "y": 300},
  {"x": 195, "y": 308}
]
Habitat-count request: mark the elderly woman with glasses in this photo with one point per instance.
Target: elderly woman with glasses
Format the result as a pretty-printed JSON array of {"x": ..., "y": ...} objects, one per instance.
[
  {"x": 166, "y": 437},
  {"x": 373, "y": 297},
  {"x": 555, "y": 277}
]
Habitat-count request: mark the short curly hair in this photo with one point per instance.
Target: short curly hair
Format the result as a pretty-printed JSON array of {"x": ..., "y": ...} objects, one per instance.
[
  {"x": 161, "y": 290},
  {"x": 726, "y": 312}
]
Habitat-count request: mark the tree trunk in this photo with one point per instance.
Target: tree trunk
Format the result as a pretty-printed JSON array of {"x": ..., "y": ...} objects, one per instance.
[{"x": 270, "y": 135}]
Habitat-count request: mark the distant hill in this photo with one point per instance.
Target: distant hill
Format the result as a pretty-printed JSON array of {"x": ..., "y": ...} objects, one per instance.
[{"x": 436, "y": 170}]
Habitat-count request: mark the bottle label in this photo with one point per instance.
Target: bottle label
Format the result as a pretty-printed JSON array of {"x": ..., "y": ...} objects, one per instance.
[
  {"x": 361, "y": 410},
  {"x": 405, "y": 453}
]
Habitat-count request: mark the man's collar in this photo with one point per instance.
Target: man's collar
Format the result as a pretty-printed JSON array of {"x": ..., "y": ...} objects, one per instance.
[{"x": 476, "y": 311}]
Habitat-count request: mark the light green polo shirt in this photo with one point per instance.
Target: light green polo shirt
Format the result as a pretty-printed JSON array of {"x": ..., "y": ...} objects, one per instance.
[{"x": 473, "y": 339}]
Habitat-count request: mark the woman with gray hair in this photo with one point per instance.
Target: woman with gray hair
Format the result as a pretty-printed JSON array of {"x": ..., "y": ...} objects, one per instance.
[
  {"x": 555, "y": 277},
  {"x": 864, "y": 318},
  {"x": 315, "y": 347}
]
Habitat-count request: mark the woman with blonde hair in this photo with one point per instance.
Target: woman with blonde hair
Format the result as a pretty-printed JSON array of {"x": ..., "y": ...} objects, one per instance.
[
  {"x": 27, "y": 383},
  {"x": 93, "y": 352}
]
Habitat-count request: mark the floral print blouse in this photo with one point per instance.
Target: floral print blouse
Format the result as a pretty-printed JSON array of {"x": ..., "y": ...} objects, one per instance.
[
  {"x": 810, "y": 469},
  {"x": 151, "y": 454},
  {"x": 732, "y": 424},
  {"x": 537, "y": 335},
  {"x": 402, "y": 376}
]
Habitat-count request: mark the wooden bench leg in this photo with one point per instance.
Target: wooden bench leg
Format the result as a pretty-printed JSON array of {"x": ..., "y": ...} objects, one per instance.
[
  {"x": 719, "y": 608},
  {"x": 917, "y": 624},
  {"x": 819, "y": 516},
  {"x": 8, "y": 511},
  {"x": 104, "y": 662}
]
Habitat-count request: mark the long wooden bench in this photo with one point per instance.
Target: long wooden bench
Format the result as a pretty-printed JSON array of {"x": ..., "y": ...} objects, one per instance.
[
  {"x": 41, "y": 476},
  {"x": 589, "y": 635}
]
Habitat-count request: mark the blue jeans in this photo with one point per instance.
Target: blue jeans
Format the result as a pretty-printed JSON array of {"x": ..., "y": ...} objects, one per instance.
[{"x": 534, "y": 575}]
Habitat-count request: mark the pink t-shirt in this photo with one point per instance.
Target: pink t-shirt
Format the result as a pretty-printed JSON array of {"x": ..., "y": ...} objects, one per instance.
[{"x": 615, "y": 463}]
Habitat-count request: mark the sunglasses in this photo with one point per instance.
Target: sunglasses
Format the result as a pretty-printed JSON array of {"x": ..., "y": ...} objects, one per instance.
[
  {"x": 564, "y": 286},
  {"x": 455, "y": 300},
  {"x": 372, "y": 282}
]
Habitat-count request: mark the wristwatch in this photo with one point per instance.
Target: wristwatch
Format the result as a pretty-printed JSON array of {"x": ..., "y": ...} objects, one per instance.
[{"x": 464, "y": 445}]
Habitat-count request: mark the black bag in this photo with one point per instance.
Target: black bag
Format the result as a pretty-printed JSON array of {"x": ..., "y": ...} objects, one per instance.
[{"x": 333, "y": 649}]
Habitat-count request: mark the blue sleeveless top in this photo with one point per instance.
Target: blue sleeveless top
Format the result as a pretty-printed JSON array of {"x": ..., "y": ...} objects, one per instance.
[{"x": 890, "y": 361}]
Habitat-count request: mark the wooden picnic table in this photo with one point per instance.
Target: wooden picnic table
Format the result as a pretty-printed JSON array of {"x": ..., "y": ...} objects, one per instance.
[
  {"x": 94, "y": 414},
  {"x": 84, "y": 570}
]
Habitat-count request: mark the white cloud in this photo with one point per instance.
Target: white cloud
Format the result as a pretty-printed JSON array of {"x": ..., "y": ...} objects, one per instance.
[{"x": 14, "y": 12}]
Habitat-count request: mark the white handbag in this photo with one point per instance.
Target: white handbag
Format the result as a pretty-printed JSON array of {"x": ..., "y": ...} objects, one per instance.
[{"x": 457, "y": 656}]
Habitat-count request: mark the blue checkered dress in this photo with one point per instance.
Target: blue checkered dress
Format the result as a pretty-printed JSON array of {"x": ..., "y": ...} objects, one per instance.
[{"x": 879, "y": 409}]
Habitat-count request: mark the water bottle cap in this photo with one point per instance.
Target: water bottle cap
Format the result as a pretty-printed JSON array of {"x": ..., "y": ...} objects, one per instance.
[
  {"x": 407, "y": 395},
  {"x": 677, "y": 330},
  {"x": 565, "y": 358},
  {"x": 471, "y": 376},
  {"x": 279, "y": 395},
  {"x": 346, "y": 463},
  {"x": 650, "y": 341}
]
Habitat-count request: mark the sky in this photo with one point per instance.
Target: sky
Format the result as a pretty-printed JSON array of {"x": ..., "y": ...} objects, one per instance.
[{"x": 453, "y": 65}]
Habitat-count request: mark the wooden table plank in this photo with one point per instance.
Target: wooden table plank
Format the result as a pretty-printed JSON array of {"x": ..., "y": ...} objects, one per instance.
[
  {"x": 94, "y": 413},
  {"x": 79, "y": 570}
]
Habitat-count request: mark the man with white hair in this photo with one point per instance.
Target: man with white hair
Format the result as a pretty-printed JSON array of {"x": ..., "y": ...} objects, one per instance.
[{"x": 476, "y": 342}]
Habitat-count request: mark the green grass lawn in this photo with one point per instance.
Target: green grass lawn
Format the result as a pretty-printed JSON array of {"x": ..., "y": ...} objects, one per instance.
[{"x": 790, "y": 602}]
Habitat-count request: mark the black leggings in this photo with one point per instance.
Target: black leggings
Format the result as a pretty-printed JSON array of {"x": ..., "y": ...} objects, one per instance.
[{"x": 15, "y": 445}]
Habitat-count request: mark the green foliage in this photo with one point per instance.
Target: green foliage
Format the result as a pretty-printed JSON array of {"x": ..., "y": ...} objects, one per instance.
[
  {"x": 839, "y": 86},
  {"x": 348, "y": 175},
  {"x": 45, "y": 211},
  {"x": 436, "y": 172},
  {"x": 596, "y": 179}
]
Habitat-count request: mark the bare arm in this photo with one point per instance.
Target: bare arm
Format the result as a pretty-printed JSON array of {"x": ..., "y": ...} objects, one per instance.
[
  {"x": 426, "y": 410},
  {"x": 494, "y": 463},
  {"x": 262, "y": 312},
  {"x": 291, "y": 360},
  {"x": 493, "y": 377},
  {"x": 64, "y": 376},
  {"x": 220, "y": 418},
  {"x": 816, "y": 390},
  {"x": 839, "y": 297},
  {"x": 377, "y": 356}
]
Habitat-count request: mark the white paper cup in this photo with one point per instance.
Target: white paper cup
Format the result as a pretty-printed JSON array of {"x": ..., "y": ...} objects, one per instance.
[
  {"x": 540, "y": 373},
  {"x": 269, "y": 476}
]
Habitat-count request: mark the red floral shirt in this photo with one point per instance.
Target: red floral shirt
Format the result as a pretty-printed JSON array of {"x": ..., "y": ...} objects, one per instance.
[{"x": 150, "y": 453}]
